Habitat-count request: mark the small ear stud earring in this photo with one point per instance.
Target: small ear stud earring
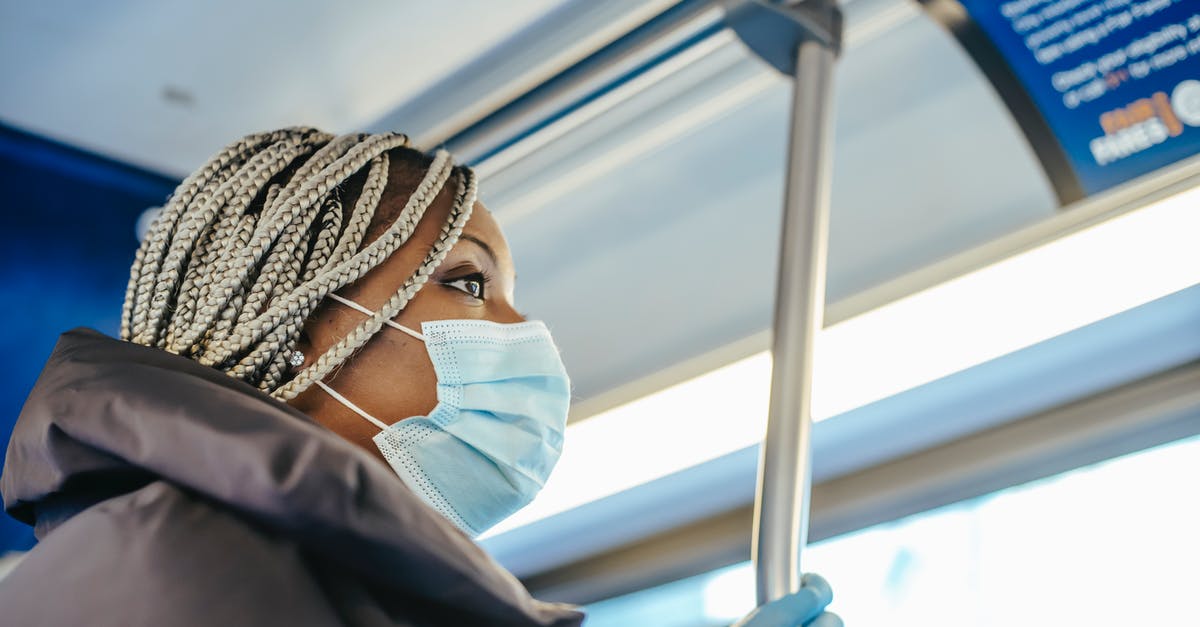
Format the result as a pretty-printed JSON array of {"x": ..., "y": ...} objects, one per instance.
[{"x": 296, "y": 359}]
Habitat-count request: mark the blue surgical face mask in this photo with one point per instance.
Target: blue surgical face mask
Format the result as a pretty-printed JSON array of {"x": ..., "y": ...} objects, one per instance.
[{"x": 489, "y": 445}]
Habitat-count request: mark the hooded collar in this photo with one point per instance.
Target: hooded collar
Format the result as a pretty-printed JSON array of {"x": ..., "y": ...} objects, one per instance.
[{"x": 108, "y": 416}]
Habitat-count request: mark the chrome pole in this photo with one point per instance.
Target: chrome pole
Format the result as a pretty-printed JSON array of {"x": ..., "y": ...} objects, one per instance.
[{"x": 784, "y": 476}]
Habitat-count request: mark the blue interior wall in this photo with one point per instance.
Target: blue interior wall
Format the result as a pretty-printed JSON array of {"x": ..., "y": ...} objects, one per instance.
[{"x": 66, "y": 243}]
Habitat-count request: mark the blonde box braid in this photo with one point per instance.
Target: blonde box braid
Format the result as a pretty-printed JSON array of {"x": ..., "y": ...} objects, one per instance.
[
  {"x": 459, "y": 214},
  {"x": 284, "y": 319},
  {"x": 228, "y": 204},
  {"x": 150, "y": 254},
  {"x": 292, "y": 203},
  {"x": 289, "y": 308},
  {"x": 235, "y": 262}
]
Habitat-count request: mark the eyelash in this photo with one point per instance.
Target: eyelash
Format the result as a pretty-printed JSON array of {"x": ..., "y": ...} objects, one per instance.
[{"x": 481, "y": 277}]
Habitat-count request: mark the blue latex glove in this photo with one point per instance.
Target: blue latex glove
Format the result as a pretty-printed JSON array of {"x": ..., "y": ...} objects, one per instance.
[{"x": 805, "y": 608}]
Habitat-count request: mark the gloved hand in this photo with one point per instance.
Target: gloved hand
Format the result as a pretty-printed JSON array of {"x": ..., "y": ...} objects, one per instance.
[{"x": 802, "y": 609}]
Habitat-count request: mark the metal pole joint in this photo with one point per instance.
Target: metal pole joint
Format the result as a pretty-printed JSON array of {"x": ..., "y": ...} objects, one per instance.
[{"x": 774, "y": 30}]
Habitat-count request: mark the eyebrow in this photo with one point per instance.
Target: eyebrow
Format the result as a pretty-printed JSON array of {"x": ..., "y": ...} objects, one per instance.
[{"x": 482, "y": 244}]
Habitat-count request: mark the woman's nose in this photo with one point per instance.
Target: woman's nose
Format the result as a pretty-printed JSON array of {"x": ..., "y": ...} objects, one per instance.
[{"x": 506, "y": 313}]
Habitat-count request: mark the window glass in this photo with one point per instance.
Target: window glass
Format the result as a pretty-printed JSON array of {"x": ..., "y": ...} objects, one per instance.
[{"x": 1114, "y": 543}]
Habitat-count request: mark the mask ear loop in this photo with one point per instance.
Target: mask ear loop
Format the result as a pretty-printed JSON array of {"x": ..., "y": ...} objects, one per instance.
[
  {"x": 345, "y": 401},
  {"x": 355, "y": 408},
  {"x": 357, "y": 307}
]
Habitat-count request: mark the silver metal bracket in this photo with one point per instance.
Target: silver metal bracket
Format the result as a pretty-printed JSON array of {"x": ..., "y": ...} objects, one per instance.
[{"x": 774, "y": 30}]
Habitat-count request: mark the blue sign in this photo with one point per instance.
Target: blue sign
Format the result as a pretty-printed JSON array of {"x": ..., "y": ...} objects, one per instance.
[{"x": 1117, "y": 82}]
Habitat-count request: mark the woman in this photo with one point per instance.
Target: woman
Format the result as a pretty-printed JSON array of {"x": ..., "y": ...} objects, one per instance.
[{"x": 304, "y": 303}]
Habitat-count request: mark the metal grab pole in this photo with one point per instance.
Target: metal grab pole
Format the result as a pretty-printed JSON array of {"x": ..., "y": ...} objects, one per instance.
[{"x": 784, "y": 474}]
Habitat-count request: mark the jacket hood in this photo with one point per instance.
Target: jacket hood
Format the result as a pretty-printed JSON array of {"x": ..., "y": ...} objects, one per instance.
[{"x": 107, "y": 417}]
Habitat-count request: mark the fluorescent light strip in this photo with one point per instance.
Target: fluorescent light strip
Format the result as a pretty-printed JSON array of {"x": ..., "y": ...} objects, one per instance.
[{"x": 1020, "y": 301}]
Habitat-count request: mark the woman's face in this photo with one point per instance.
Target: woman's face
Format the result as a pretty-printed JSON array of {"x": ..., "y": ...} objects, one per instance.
[{"x": 391, "y": 376}]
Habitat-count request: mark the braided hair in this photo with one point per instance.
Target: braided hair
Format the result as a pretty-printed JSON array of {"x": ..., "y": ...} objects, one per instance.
[{"x": 251, "y": 243}]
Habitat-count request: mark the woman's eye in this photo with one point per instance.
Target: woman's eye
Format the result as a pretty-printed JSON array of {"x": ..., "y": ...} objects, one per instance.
[{"x": 472, "y": 285}]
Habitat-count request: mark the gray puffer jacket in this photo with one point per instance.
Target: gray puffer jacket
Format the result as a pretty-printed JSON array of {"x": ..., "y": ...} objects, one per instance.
[{"x": 163, "y": 492}]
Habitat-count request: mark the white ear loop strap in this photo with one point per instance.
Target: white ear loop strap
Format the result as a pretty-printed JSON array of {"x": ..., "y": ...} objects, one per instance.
[
  {"x": 355, "y": 408},
  {"x": 357, "y": 307},
  {"x": 345, "y": 401}
]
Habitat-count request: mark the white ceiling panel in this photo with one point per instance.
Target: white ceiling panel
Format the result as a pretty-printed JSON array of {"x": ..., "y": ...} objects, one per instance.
[{"x": 163, "y": 85}]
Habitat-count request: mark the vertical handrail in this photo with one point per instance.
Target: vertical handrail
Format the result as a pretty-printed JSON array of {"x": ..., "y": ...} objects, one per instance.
[{"x": 784, "y": 480}]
